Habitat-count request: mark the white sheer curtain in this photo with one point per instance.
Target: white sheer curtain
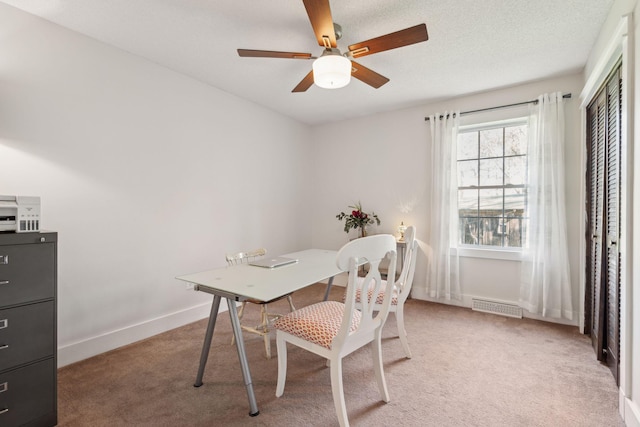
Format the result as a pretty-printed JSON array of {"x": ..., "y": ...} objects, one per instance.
[
  {"x": 546, "y": 285},
  {"x": 443, "y": 278}
]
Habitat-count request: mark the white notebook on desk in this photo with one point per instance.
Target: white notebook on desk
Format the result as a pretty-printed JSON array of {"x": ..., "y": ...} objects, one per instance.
[{"x": 273, "y": 262}]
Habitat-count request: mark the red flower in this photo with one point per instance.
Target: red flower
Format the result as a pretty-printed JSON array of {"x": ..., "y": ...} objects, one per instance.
[{"x": 358, "y": 218}]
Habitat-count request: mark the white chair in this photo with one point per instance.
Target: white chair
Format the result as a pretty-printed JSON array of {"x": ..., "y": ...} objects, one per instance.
[
  {"x": 266, "y": 318},
  {"x": 401, "y": 288},
  {"x": 333, "y": 329}
]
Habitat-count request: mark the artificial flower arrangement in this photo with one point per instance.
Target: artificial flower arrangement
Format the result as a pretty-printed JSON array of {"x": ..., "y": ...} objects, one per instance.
[{"x": 358, "y": 219}]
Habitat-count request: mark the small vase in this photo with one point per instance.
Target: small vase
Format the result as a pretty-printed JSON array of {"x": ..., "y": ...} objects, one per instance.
[{"x": 363, "y": 232}]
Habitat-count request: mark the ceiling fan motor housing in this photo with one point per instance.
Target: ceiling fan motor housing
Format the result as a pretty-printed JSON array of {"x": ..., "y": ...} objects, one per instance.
[{"x": 337, "y": 28}]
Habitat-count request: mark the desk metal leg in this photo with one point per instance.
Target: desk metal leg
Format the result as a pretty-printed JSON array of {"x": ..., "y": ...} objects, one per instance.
[
  {"x": 329, "y": 284},
  {"x": 207, "y": 339},
  {"x": 242, "y": 355}
]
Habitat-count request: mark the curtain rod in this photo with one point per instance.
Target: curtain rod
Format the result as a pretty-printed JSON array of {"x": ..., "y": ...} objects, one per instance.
[{"x": 534, "y": 101}]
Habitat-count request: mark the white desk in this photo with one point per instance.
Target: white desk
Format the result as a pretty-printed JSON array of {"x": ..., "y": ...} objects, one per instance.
[{"x": 241, "y": 282}]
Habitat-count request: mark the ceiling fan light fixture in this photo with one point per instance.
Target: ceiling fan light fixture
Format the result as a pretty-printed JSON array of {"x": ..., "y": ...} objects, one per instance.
[{"x": 331, "y": 71}]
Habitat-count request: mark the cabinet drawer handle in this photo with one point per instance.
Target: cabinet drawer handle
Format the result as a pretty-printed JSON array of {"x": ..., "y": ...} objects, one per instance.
[
  {"x": 4, "y": 411},
  {"x": 4, "y": 323},
  {"x": 4, "y": 346},
  {"x": 4, "y": 259},
  {"x": 4, "y": 282},
  {"x": 4, "y": 387}
]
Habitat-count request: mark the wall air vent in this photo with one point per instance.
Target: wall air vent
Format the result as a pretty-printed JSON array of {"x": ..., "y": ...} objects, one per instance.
[{"x": 502, "y": 309}]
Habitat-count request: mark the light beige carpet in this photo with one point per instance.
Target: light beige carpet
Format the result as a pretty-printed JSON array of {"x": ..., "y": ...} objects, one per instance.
[{"x": 468, "y": 369}]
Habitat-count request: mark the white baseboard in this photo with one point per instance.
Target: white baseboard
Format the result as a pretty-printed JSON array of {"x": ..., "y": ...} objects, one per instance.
[
  {"x": 630, "y": 411},
  {"x": 467, "y": 301},
  {"x": 75, "y": 352}
]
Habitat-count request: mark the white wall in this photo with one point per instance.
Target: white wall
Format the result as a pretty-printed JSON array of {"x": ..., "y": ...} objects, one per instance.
[
  {"x": 144, "y": 173},
  {"x": 383, "y": 160}
]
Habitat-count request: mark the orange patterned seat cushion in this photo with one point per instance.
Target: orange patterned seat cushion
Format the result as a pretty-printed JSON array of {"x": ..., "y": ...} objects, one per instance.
[
  {"x": 380, "y": 299},
  {"x": 317, "y": 323}
]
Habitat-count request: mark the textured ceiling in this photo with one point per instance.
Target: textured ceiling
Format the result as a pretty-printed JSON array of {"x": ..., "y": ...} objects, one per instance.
[{"x": 473, "y": 45}]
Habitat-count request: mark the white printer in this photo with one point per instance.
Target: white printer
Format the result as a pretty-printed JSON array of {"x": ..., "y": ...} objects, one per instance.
[{"x": 19, "y": 213}]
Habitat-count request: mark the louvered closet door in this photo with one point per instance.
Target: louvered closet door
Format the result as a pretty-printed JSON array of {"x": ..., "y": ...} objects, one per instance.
[
  {"x": 603, "y": 205},
  {"x": 595, "y": 179},
  {"x": 612, "y": 221}
]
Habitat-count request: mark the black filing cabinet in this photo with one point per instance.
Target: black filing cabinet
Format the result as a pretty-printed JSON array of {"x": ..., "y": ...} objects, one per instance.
[{"x": 28, "y": 332}]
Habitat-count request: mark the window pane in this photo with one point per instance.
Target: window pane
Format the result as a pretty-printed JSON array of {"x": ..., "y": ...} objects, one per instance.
[
  {"x": 468, "y": 203},
  {"x": 491, "y": 202},
  {"x": 489, "y": 232},
  {"x": 514, "y": 202},
  {"x": 491, "y": 172},
  {"x": 468, "y": 145},
  {"x": 523, "y": 233},
  {"x": 491, "y": 143},
  {"x": 513, "y": 229},
  {"x": 469, "y": 231},
  {"x": 515, "y": 170},
  {"x": 468, "y": 173},
  {"x": 515, "y": 140}
]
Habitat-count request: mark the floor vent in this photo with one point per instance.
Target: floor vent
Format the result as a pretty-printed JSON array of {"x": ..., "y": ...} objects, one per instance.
[{"x": 497, "y": 308}]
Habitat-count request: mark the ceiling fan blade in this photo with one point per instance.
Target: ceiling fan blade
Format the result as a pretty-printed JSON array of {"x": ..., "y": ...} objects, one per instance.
[
  {"x": 367, "y": 76},
  {"x": 272, "y": 54},
  {"x": 305, "y": 83},
  {"x": 390, "y": 41},
  {"x": 320, "y": 16}
]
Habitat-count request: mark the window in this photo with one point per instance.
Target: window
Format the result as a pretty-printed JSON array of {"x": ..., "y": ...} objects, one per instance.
[{"x": 492, "y": 184}]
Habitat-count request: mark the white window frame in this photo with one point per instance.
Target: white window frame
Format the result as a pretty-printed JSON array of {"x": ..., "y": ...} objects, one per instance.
[{"x": 481, "y": 251}]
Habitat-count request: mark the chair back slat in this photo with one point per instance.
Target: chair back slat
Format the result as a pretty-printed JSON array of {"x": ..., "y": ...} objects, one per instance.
[
  {"x": 405, "y": 280},
  {"x": 366, "y": 253}
]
